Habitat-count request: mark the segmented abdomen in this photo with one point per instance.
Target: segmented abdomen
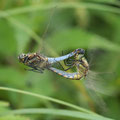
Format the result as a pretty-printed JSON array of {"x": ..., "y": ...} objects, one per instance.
[
  {"x": 73, "y": 76},
  {"x": 57, "y": 59}
]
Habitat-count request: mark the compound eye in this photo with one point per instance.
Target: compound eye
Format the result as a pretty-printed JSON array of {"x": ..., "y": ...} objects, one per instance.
[
  {"x": 21, "y": 57},
  {"x": 80, "y": 51}
]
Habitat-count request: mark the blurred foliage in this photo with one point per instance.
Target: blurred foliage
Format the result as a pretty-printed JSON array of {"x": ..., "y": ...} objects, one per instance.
[
  {"x": 50, "y": 27},
  {"x": 4, "y": 107}
]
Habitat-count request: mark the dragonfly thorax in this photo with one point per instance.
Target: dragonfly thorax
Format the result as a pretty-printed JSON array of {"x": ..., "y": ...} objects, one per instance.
[{"x": 82, "y": 65}]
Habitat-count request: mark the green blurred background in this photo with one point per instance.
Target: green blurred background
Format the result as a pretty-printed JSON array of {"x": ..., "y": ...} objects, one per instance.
[{"x": 50, "y": 27}]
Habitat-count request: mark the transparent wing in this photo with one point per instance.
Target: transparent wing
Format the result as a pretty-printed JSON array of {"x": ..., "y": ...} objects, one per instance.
[
  {"x": 98, "y": 83},
  {"x": 100, "y": 60}
]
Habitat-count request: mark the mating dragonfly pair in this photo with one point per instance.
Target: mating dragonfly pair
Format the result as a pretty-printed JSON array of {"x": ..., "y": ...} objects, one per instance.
[{"x": 38, "y": 63}]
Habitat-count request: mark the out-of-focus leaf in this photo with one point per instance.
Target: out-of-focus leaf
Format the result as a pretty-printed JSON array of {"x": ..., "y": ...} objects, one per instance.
[
  {"x": 3, "y": 104},
  {"x": 61, "y": 112},
  {"x": 22, "y": 37},
  {"x": 114, "y": 21},
  {"x": 12, "y": 117},
  {"x": 111, "y": 25},
  {"x": 104, "y": 1},
  {"x": 76, "y": 38},
  {"x": 38, "y": 83},
  {"x": 11, "y": 77},
  {"x": 25, "y": 26},
  {"x": 113, "y": 104},
  {"x": 7, "y": 42},
  {"x": 4, "y": 107}
]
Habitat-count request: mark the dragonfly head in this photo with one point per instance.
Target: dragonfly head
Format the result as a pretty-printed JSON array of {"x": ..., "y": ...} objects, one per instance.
[
  {"x": 31, "y": 59},
  {"x": 23, "y": 57},
  {"x": 80, "y": 51}
]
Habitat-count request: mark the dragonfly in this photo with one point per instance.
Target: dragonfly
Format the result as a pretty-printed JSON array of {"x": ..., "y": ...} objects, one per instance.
[{"x": 38, "y": 62}]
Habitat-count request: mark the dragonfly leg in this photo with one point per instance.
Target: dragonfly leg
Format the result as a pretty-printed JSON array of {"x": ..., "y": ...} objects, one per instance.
[
  {"x": 35, "y": 70},
  {"x": 65, "y": 61},
  {"x": 69, "y": 67},
  {"x": 70, "y": 62},
  {"x": 64, "y": 68},
  {"x": 61, "y": 65},
  {"x": 39, "y": 70}
]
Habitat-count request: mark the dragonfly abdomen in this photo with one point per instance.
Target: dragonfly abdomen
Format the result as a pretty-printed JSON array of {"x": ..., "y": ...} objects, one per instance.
[
  {"x": 57, "y": 59},
  {"x": 73, "y": 76}
]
